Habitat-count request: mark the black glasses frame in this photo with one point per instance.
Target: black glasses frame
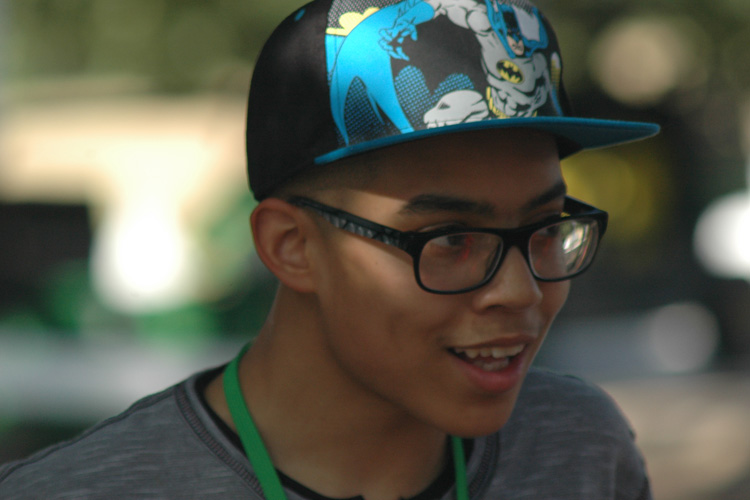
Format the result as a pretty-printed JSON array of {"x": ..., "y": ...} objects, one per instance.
[{"x": 412, "y": 242}]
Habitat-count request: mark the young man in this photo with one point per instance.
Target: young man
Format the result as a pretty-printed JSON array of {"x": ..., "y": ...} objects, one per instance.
[{"x": 406, "y": 159}]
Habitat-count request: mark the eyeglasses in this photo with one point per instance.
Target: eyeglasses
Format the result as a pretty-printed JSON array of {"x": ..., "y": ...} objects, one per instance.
[{"x": 455, "y": 260}]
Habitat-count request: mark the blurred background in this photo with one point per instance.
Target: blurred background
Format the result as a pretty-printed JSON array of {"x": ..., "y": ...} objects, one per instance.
[{"x": 126, "y": 261}]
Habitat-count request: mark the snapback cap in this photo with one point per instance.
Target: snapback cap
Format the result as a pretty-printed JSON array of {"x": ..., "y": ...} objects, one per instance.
[{"x": 342, "y": 77}]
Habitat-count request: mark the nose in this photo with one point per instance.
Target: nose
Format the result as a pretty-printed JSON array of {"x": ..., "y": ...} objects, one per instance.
[{"x": 513, "y": 286}]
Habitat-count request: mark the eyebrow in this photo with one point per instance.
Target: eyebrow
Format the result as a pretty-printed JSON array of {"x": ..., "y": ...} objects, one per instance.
[
  {"x": 557, "y": 191},
  {"x": 430, "y": 203}
]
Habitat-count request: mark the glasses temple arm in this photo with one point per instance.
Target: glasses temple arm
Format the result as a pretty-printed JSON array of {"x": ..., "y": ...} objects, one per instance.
[{"x": 353, "y": 224}]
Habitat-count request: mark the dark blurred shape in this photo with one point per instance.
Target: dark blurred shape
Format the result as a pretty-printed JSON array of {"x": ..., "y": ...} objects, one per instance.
[
  {"x": 36, "y": 241},
  {"x": 22, "y": 439}
]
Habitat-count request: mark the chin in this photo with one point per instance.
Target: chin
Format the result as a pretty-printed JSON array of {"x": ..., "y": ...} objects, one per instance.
[
  {"x": 484, "y": 428},
  {"x": 481, "y": 420}
]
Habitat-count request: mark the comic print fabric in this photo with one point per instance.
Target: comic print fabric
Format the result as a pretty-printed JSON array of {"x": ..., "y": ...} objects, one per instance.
[{"x": 432, "y": 63}]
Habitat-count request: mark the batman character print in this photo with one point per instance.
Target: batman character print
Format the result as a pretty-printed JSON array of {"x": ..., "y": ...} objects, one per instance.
[{"x": 511, "y": 66}]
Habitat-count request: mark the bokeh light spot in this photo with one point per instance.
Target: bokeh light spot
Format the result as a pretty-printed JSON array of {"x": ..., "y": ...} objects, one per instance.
[{"x": 638, "y": 61}]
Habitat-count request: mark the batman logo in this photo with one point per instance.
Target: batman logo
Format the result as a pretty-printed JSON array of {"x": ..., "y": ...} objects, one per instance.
[{"x": 510, "y": 72}]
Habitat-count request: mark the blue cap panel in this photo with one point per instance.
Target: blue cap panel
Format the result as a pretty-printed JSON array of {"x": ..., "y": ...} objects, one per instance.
[{"x": 396, "y": 67}]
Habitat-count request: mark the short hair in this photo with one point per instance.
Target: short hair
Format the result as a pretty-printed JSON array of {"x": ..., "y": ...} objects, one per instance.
[{"x": 353, "y": 172}]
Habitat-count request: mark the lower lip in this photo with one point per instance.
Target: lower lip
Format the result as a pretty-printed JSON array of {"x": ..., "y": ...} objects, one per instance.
[{"x": 494, "y": 381}]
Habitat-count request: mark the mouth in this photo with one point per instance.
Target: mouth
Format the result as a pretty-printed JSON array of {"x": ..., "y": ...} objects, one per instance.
[{"x": 488, "y": 359}]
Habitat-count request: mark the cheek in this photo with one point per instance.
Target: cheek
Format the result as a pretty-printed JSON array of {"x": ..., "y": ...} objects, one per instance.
[
  {"x": 366, "y": 280},
  {"x": 377, "y": 321},
  {"x": 555, "y": 295},
  {"x": 377, "y": 301}
]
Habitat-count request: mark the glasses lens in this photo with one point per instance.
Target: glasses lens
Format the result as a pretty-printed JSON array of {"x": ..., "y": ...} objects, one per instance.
[
  {"x": 563, "y": 249},
  {"x": 457, "y": 261}
]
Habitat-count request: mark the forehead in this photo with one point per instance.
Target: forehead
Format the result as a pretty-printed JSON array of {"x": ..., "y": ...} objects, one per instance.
[{"x": 502, "y": 168}]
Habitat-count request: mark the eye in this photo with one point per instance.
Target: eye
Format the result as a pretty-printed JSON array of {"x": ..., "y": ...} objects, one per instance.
[
  {"x": 454, "y": 241},
  {"x": 551, "y": 231},
  {"x": 454, "y": 247}
]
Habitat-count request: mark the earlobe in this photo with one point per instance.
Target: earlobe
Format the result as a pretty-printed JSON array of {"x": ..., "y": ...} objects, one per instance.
[{"x": 280, "y": 232}]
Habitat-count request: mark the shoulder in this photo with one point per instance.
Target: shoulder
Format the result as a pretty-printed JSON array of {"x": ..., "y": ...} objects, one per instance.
[
  {"x": 568, "y": 400},
  {"x": 569, "y": 413},
  {"x": 150, "y": 443},
  {"x": 567, "y": 439},
  {"x": 97, "y": 449}
]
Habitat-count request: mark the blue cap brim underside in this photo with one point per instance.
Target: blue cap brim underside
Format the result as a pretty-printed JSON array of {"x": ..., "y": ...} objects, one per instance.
[{"x": 588, "y": 133}]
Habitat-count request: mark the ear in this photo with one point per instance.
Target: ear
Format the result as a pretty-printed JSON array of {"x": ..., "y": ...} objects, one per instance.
[{"x": 281, "y": 233}]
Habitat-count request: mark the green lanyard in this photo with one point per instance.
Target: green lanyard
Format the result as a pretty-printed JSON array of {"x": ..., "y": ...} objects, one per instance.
[{"x": 258, "y": 455}]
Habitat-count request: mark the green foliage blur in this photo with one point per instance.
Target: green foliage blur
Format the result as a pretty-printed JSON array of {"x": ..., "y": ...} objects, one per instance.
[
  {"x": 187, "y": 45},
  {"x": 176, "y": 45}
]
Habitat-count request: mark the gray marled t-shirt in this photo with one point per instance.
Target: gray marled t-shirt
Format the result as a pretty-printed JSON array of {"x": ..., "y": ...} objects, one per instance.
[{"x": 566, "y": 440}]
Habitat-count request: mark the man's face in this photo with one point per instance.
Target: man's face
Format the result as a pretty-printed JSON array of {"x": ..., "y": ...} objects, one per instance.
[
  {"x": 452, "y": 362},
  {"x": 516, "y": 45}
]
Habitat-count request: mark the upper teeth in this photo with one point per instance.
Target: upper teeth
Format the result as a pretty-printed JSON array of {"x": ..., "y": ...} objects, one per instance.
[{"x": 495, "y": 352}]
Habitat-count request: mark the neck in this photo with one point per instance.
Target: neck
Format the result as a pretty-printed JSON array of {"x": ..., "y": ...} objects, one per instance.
[{"x": 321, "y": 428}]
